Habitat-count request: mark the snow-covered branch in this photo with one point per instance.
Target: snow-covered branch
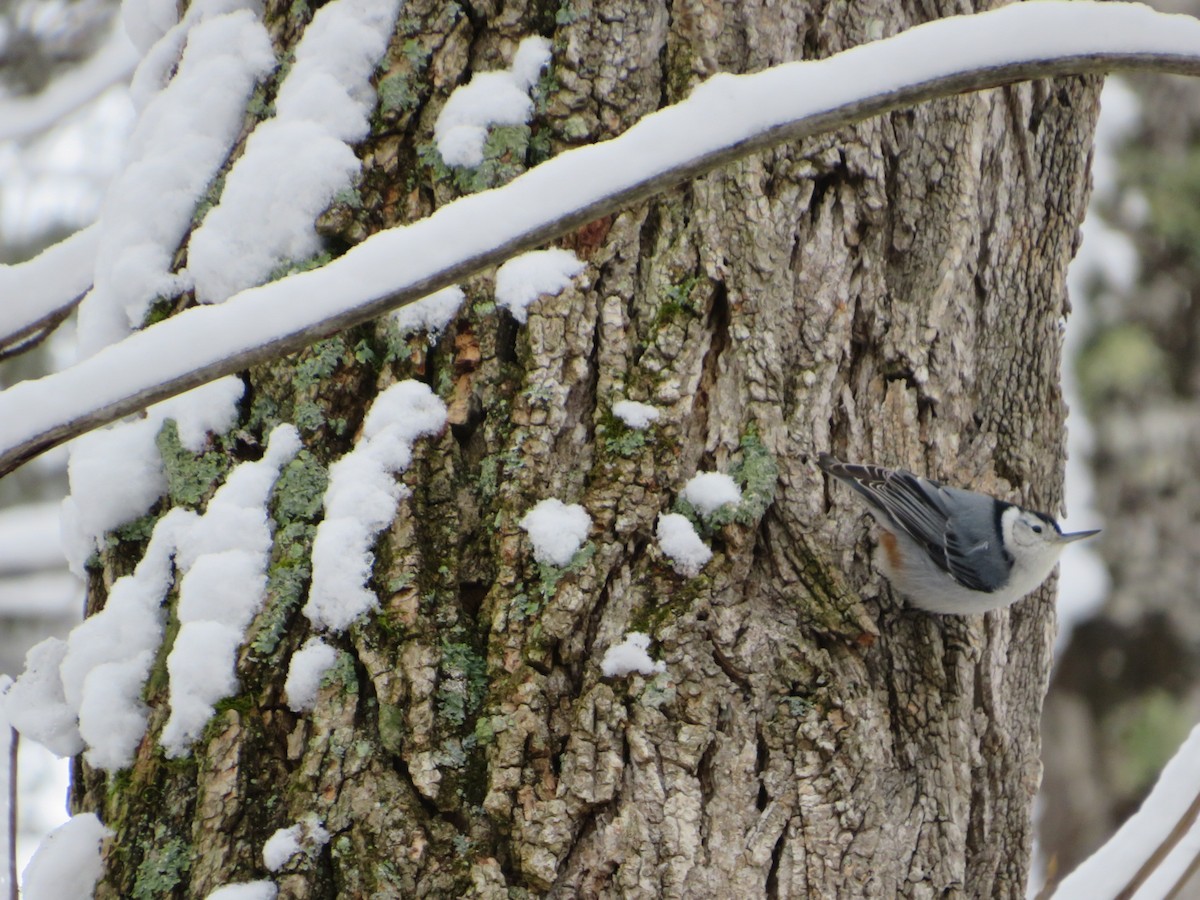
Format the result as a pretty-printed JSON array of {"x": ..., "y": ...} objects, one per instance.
[
  {"x": 726, "y": 118},
  {"x": 36, "y": 295},
  {"x": 1153, "y": 853}
]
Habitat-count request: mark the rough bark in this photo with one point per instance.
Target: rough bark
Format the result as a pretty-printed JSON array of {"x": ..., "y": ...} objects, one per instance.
[{"x": 892, "y": 292}]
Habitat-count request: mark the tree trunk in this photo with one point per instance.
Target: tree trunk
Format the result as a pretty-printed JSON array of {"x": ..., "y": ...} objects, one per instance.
[{"x": 892, "y": 293}]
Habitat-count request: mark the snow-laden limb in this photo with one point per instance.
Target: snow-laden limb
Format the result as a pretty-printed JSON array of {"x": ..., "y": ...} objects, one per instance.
[
  {"x": 67, "y": 863},
  {"x": 630, "y": 656},
  {"x": 361, "y": 500},
  {"x": 306, "y": 836},
  {"x": 35, "y": 293},
  {"x": 1150, "y": 854},
  {"x": 727, "y": 117},
  {"x": 556, "y": 530},
  {"x": 247, "y": 890},
  {"x": 46, "y": 594},
  {"x": 25, "y": 117}
]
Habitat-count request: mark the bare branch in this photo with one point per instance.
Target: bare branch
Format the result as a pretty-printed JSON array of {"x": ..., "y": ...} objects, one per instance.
[
  {"x": 548, "y": 202},
  {"x": 14, "y": 743}
]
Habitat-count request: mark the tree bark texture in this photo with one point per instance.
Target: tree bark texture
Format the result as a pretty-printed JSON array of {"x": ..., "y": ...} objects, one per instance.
[
  {"x": 1126, "y": 690},
  {"x": 893, "y": 293}
]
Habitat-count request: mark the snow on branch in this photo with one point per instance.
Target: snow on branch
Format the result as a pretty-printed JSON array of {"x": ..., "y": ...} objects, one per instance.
[
  {"x": 727, "y": 117},
  {"x": 1153, "y": 852},
  {"x": 37, "y": 295}
]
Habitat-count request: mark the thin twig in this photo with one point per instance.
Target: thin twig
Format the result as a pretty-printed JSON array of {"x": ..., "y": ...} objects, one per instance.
[
  {"x": 14, "y": 739},
  {"x": 35, "y": 332}
]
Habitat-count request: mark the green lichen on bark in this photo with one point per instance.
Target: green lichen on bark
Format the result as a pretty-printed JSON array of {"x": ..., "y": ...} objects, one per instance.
[
  {"x": 162, "y": 870},
  {"x": 191, "y": 477}
]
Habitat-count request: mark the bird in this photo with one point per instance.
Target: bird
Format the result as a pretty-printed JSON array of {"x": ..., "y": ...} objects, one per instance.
[{"x": 949, "y": 550}]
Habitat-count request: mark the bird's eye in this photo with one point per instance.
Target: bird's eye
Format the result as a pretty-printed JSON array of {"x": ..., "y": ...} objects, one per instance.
[{"x": 1037, "y": 529}]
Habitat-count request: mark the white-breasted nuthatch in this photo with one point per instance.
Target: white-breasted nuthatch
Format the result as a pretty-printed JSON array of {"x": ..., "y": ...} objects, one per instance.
[{"x": 949, "y": 550}]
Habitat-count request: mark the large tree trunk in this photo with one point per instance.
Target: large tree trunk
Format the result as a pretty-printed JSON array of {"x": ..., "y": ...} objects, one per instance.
[{"x": 893, "y": 293}]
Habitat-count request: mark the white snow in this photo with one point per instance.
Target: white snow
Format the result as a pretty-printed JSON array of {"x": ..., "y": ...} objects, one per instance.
[
  {"x": 67, "y": 863},
  {"x": 635, "y": 415},
  {"x": 201, "y": 669},
  {"x": 116, "y": 473},
  {"x": 295, "y": 163},
  {"x": 709, "y": 491},
  {"x": 556, "y": 530},
  {"x": 432, "y": 314},
  {"x": 361, "y": 500},
  {"x": 1107, "y": 871},
  {"x": 212, "y": 407},
  {"x": 35, "y": 705},
  {"x": 50, "y": 281},
  {"x": 224, "y": 556},
  {"x": 308, "y": 666},
  {"x": 109, "y": 654},
  {"x": 249, "y": 890},
  {"x": 490, "y": 98},
  {"x": 532, "y": 56},
  {"x": 223, "y": 587},
  {"x": 382, "y": 272},
  {"x": 86, "y": 692},
  {"x": 287, "y": 177},
  {"x": 679, "y": 541},
  {"x": 307, "y": 836},
  {"x": 524, "y": 278},
  {"x": 181, "y": 139},
  {"x": 112, "y": 716},
  {"x": 630, "y": 656}
]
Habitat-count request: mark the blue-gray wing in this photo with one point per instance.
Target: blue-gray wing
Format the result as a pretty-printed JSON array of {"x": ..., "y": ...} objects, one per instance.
[{"x": 956, "y": 528}]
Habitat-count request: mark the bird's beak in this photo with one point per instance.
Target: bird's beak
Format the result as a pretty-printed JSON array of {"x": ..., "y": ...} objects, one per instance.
[{"x": 1077, "y": 536}]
